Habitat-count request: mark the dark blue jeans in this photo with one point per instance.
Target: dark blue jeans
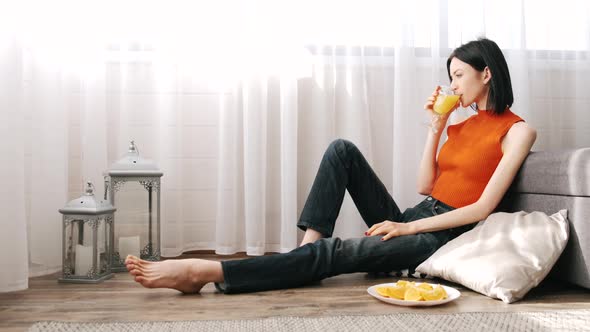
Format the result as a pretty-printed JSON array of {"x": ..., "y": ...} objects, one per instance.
[{"x": 343, "y": 167}]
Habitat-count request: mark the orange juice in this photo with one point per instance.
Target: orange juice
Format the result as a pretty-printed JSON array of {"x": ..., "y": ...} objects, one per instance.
[{"x": 445, "y": 103}]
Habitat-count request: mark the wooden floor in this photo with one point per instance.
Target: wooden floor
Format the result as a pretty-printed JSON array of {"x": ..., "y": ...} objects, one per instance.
[{"x": 121, "y": 299}]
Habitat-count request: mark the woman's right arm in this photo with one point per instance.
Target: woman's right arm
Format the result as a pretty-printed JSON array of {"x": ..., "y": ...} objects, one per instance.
[
  {"x": 428, "y": 166},
  {"x": 428, "y": 170}
]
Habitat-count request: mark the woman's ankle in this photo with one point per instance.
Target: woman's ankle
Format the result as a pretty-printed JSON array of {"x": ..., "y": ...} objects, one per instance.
[{"x": 311, "y": 235}]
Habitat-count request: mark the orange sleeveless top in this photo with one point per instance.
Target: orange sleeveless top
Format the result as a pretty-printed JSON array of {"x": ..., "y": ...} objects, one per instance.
[{"x": 470, "y": 156}]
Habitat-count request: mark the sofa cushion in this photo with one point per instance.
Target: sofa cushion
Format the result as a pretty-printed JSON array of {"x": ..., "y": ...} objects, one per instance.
[{"x": 504, "y": 256}]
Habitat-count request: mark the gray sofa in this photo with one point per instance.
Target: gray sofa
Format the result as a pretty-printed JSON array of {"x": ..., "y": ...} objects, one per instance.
[{"x": 549, "y": 181}]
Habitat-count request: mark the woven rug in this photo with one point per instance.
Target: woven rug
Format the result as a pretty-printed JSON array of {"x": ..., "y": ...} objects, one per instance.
[{"x": 562, "y": 320}]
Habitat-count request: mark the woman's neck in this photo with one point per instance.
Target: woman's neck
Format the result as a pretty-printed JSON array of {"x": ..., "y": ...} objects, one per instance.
[
  {"x": 482, "y": 105},
  {"x": 482, "y": 101}
]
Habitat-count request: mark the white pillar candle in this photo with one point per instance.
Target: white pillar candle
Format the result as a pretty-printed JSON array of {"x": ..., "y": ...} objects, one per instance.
[
  {"x": 128, "y": 246},
  {"x": 83, "y": 260}
]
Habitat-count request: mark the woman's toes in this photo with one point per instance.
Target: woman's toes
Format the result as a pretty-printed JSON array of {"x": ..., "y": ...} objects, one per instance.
[
  {"x": 131, "y": 259},
  {"x": 146, "y": 282}
]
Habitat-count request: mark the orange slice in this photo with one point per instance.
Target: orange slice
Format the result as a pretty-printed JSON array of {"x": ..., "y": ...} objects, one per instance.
[
  {"x": 438, "y": 293},
  {"x": 413, "y": 294},
  {"x": 425, "y": 286}
]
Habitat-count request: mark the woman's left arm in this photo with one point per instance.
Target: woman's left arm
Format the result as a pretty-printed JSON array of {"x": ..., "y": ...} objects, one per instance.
[{"x": 516, "y": 145}]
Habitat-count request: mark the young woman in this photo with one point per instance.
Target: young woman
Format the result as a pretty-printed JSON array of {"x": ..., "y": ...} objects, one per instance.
[{"x": 474, "y": 168}]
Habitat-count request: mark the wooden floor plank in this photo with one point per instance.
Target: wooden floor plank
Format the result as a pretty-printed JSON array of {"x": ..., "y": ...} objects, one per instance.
[{"x": 121, "y": 299}]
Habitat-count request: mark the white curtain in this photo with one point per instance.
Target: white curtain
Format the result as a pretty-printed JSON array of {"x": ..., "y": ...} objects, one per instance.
[{"x": 237, "y": 102}]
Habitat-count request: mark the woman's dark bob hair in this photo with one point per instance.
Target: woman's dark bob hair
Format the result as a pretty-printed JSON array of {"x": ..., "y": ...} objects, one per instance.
[{"x": 483, "y": 53}]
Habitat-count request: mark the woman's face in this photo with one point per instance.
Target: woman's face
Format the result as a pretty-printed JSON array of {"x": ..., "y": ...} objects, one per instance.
[{"x": 470, "y": 83}]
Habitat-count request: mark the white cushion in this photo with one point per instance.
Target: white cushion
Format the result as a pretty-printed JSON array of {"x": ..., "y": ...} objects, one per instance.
[{"x": 504, "y": 256}]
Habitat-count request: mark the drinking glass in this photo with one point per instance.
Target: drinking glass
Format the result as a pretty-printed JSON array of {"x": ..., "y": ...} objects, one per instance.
[{"x": 445, "y": 101}]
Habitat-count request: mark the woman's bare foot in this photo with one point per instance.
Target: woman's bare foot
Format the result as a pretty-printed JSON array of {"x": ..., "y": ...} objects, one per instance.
[
  {"x": 185, "y": 275},
  {"x": 311, "y": 235}
]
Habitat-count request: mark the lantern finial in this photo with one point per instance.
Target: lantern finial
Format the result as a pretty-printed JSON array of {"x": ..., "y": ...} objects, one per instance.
[
  {"x": 133, "y": 148},
  {"x": 89, "y": 188}
]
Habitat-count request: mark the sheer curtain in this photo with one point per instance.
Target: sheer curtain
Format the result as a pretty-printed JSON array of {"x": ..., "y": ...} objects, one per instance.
[{"x": 237, "y": 102}]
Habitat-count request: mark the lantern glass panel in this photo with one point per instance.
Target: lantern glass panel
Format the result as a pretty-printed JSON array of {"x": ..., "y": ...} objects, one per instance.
[
  {"x": 136, "y": 228},
  {"x": 103, "y": 245},
  {"x": 80, "y": 248}
]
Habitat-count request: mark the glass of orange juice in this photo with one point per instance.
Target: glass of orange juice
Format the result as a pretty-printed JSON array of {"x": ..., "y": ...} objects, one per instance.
[{"x": 446, "y": 100}]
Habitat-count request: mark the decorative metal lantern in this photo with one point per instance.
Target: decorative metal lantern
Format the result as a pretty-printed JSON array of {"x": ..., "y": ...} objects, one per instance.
[
  {"x": 87, "y": 237},
  {"x": 136, "y": 232}
]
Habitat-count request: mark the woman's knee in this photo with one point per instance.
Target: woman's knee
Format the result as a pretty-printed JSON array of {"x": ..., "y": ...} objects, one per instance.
[{"x": 341, "y": 147}]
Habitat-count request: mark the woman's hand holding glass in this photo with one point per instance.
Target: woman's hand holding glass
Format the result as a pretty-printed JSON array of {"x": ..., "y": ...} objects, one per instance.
[{"x": 439, "y": 106}]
